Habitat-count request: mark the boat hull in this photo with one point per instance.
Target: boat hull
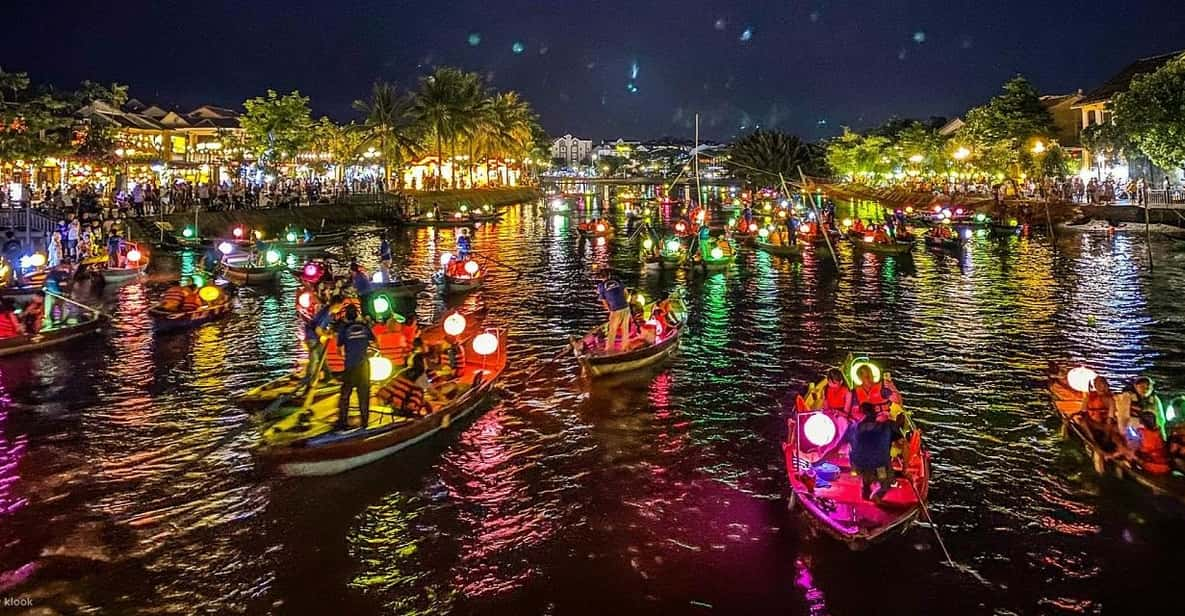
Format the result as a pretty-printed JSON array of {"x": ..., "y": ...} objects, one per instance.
[
  {"x": 779, "y": 250},
  {"x": 251, "y": 276},
  {"x": 602, "y": 365},
  {"x": 164, "y": 321},
  {"x": 26, "y": 344}
]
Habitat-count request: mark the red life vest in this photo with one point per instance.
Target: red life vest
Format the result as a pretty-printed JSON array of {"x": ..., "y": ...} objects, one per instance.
[
  {"x": 9, "y": 326},
  {"x": 1152, "y": 454},
  {"x": 877, "y": 395},
  {"x": 836, "y": 397},
  {"x": 1097, "y": 408}
]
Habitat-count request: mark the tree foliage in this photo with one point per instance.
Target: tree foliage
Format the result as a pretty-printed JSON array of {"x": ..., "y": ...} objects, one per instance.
[
  {"x": 759, "y": 158},
  {"x": 33, "y": 124},
  {"x": 1151, "y": 114},
  {"x": 388, "y": 124},
  {"x": 276, "y": 128}
]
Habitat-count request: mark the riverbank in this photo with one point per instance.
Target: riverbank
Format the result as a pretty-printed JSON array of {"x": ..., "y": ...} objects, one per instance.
[{"x": 354, "y": 210}]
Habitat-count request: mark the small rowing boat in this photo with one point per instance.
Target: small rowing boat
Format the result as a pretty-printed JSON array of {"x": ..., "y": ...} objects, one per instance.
[
  {"x": 305, "y": 444},
  {"x": 47, "y": 338},
  {"x": 658, "y": 341},
  {"x": 895, "y": 247},
  {"x": 122, "y": 274},
  {"x": 827, "y": 488},
  {"x": 1067, "y": 402},
  {"x": 173, "y": 320},
  {"x": 460, "y": 220},
  {"x": 781, "y": 250},
  {"x": 664, "y": 261},
  {"x": 597, "y": 228},
  {"x": 952, "y": 244},
  {"x": 249, "y": 275}
]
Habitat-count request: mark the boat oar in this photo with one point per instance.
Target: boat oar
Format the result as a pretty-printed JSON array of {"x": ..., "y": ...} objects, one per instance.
[
  {"x": 80, "y": 304},
  {"x": 925, "y": 509},
  {"x": 507, "y": 266}
]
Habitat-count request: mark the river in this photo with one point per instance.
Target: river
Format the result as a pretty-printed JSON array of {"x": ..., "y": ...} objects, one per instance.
[{"x": 127, "y": 486}]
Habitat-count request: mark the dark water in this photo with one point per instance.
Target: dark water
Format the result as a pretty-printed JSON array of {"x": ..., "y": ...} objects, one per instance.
[{"x": 126, "y": 486}]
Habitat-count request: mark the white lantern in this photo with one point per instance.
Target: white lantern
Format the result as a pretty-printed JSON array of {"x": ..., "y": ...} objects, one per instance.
[
  {"x": 819, "y": 429},
  {"x": 1081, "y": 378},
  {"x": 485, "y": 344},
  {"x": 454, "y": 324}
]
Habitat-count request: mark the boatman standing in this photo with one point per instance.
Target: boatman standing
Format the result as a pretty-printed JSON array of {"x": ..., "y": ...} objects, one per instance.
[
  {"x": 385, "y": 258},
  {"x": 353, "y": 338},
  {"x": 464, "y": 245},
  {"x": 613, "y": 297},
  {"x": 316, "y": 331}
]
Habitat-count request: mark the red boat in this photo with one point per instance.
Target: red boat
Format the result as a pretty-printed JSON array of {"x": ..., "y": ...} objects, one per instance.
[{"x": 826, "y": 488}]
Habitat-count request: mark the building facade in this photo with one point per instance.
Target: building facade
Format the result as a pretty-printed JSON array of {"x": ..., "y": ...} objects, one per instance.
[{"x": 573, "y": 150}]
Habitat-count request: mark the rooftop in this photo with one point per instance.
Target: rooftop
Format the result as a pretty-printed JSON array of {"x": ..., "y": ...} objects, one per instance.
[{"x": 1122, "y": 81}]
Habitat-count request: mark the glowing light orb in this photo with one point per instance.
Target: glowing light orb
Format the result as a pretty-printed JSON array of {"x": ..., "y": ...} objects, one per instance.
[
  {"x": 980, "y": 217},
  {"x": 226, "y": 248},
  {"x": 600, "y": 227},
  {"x": 454, "y": 324},
  {"x": 847, "y": 222},
  {"x": 518, "y": 47},
  {"x": 471, "y": 268},
  {"x": 199, "y": 281},
  {"x": 187, "y": 232},
  {"x": 36, "y": 259},
  {"x": 869, "y": 239},
  {"x": 819, "y": 429},
  {"x": 674, "y": 246},
  {"x": 958, "y": 211},
  {"x": 485, "y": 344},
  {"x": 312, "y": 270},
  {"x": 305, "y": 300},
  {"x": 445, "y": 257},
  {"x": 258, "y": 234},
  {"x": 134, "y": 256},
  {"x": 647, "y": 244},
  {"x": 717, "y": 253},
  {"x": 380, "y": 368},
  {"x": 380, "y": 304},
  {"x": 806, "y": 228},
  {"x": 855, "y": 368},
  {"x": 781, "y": 213},
  {"x": 640, "y": 299},
  {"x": 909, "y": 209},
  {"x": 1012, "y": 222},
  {"x": 946, "y": 213},
  {"x": 464, "y": 208},
  {"x": 210, "y": 294},
  {"x": 237, "y": 232},
  {"x": 763, "y": 233},
  {"x": 24, "y": 262},
  {"x": 1081, "y": 378},
  {"x": 680, "y": 227},
  {"x": 937, "y": 208},
  {"x": 291, "y": 236},
  {"x": 486, "y": 207},
  {"x": 272, "y": 257},
  {"x": 967, "y": 234},
  {"x": 767, "y": 207},
  {"x": 377, "y": 278},
  {"x": 732, "y": 222}
]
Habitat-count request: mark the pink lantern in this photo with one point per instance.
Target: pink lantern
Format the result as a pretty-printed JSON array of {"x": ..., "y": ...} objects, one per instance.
[{"x": 312, "y": 270}]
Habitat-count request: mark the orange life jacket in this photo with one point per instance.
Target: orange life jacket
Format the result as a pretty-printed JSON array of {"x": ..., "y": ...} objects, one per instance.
[
  {"x": 9, "y": 326},
  {"x": 877, "y": 395},
  {"x": 1152, "y": 453},
  {"x": 1097, "y": 408},
  {"x": 836, "y": 397},
  {"x": 173, "y": 298}
]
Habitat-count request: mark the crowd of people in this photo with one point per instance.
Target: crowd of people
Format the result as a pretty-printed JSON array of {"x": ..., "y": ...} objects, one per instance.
[{"x": 1132, "y": 425}]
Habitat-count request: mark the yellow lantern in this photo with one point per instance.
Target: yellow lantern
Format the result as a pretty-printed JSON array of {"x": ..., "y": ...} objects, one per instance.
[
  {"x": 380, "y": 368},
  {"x": 210, "y": 294}
]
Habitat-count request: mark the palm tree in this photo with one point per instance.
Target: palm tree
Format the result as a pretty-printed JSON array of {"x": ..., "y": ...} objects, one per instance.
[
  {"x": 759, "y": 158},
  {"x": 435, "y": 106},
  {"x": 389, "y": 121},
  {"x": 504, "y": 130}
]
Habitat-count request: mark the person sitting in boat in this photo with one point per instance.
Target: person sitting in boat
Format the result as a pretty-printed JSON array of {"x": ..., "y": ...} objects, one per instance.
[
  {"x": 871, "y": 443},
  {"x": 33, "y": 313},
  {"x": 879, "y": 395},
  {"x": 174, "y": 297},
  {"x": 747, "y": 216},
  {"x": 1138, "y": 397},
  {"x": 858, "y": 226},
  {"x": 193, "y": 299},
  {"x": 10, "y": 324},
  {"x": 464, "y": 245},
  {"x": 613, "y": 297},
  {"x": 353, "y": 340},
  {"x": 1098, "y": 411},
  {"x": 359, "y": 279},
  {"x": 1177, "y": 446},
  {"x": 664, "y": 312},
  {"x": 880, "y": 236},
  {"x": 791, "y": 231},
  {"x": 1152, "y": 452}
]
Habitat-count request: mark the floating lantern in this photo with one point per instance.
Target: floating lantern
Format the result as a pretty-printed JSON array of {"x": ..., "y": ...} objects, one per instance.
[
  {"x": 187, "y": 232},
  {"x": 1012, "y": 222},
  {"x": 958, "y": 211},
  {"x": 781, "y": 213},
  {"x": 305, "y": 300},
  {"x": 36, "y": 259},
  {"x": 855, "y": 369},
  {"x": 454, "y": 324},
  {"x": 937, "y": 208},
  {"x": 909, "y": 209},
  {"x": 674, "y": 246},
  {"x": 471, "y": 267},
  {"x": 717, "y": 253},
  {"x": 445, "y": 257},
  {"x": 381, "y": 305},
  {"x": 380, "y": 368},
  {"x": 1081, "y": 378},
  {"x": 763, "y": 233},
  {"x": 237, "y": 232},
  {"x": 291, "y": 236},
  {"x": 946, "y": 213},
  {"x": 966, "y": 234},
  {"x": 312, "y": 271},
  {"x": 134, "y": 256},
  {"x": 485, "y": 344},
  {"x": 464, "y": 208},
  {"x": 226, "y": 248},
  {"x": 210, "y": 294},
  {"x": 847, "y": 222},
  {"x": 647, "y": 244},
  {"x": 819, "y": 429},
  {"x": 377, "y": 278},
  {"x": 272, "y": 257}
]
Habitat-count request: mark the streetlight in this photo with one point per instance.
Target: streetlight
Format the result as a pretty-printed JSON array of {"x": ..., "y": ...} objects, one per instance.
[
  {"x": 962, "y": 153},
  {"x": 1038, "y": 147}
]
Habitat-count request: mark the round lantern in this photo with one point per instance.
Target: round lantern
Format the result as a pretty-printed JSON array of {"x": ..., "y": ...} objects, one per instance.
[
  {"x": 471, "y": 268},
  {"x": 291, "y": 236},
  {"x": 485, "y": 344},
  {"x": 272, "y": 257},
  {"x": 454, "y": 324},
  {"x": 187, "y": 232},
  {"x": 380, "y": 368},
  {"x": 134, "y": 256},
  {"x": 237, "y": 232},
  {"x": 674, "y": 246},
  {"x": 312, "y": 270},
  {"x": 680, "y": 227},
  {"x": 36, "y": 259},
  {"x": 305, "y": 300},
  {"x": 226, "y": 248},
  {"x": 647, "y": 244},
  {"x": 763, "y": 233},
  {"x": 717, "y": 253},
  {"x": 381, "y": 305},
  {"x": 445, "y": 257},
  {"x": 210, "y": 294},
  {"x": 1081, "y": 378},
  {"x": 819, "y": 429}
]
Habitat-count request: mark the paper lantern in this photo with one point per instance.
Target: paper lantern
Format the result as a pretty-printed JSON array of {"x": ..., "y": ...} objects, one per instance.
[
  {"x": 647, "y": 244},
  {"x": 806, "y": 228},
  {"x": 980, "y": 217},
  {"x": 237, "y": 232},
  {"x": 674, "y": 246},
  {"x": 187, "y": 232},
  {"x": 36, "y": 259},
  {"x": 763, "y": 233},
  {"x": 134, "y": 256},
  {"x": 486, "y": 207},
  {"x": 946, "y": 213},
  {"x": 272, "y": 257},
  {"x": 380, "y": 368},
  {"x": 717, "y": 253},
  {"x": 291, "y": 236},
  {"x": 312, "y": 270},
  {"x": 210, "y": 294},
  {"x": 381, "y": 305},
  {"x": 600, "y": 227},
  {"x": 1081, "y": 378},
  {"x": 445, "y": 257},
  {"x": 226, "y": 248},
  {"x": 819, "y": 429},
  {"x": 464, "y": 208},
  {"x": 869, "y": 238},
  {"x": 305, "y": 300},
  {"x": 485, "y": 344},
  {"x": 847, "y": 222},
  {"x": 377, "y": 277},
  {"x": 958, "y": 211},
  {"x": 471, "y": 267},
  {"x": 258, "y": 234},
  {"x": 855, "y": 369},
  {"x": 909, "y": 209},
  {"x": 680, "y": 227},
  {"x": 454, "y": 324}
]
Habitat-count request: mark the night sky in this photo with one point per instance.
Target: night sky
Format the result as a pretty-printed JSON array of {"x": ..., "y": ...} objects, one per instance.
[{"x": 602, "y": 69}]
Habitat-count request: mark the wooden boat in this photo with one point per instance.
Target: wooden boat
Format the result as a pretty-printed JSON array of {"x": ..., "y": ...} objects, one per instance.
[
  {"x": 407, "y": 287},
  {"x": 892, "y": 248},
  {"x": 453, "y": 221},
  {"x": 781, "y": 250},
  {"x": 169, "y": 320},
  {"x": 952, "y": 244},
  {"x": 247, "y": 275},
  {"x": 1067, "y": 404},
  {"x": 304, "y": 444},
  {"x": 459, "y": 284},
  {"x": 595, "y": 361},
  {"x": 664, "y": 261},
  {"x": 26, "y": 343},
  {"x": 824, "y": 486},
  {"x": 588, "y": 231},
  {"x": 1003, "y": 230},
  {"x": 122, "y": 274}
]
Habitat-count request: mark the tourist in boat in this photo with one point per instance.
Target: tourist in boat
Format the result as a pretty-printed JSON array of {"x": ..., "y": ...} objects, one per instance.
[
  {"x": 193, "y": 299},
  {"x": 858, "y": 226},
  {"x": 747, "y": 215},
  {"x": 174, "y": 298},
  {"x": 353, "y": 339},
  {"x": 464, "y": 245},
  {"x": 1098, "y": 414},
  {"x": 53, "y": 289},
  {"x": 10, "y": 324},
  {"x": 359, "y": 279},
  {"x": 664, "y": 312},
  {"x": 211, "y": 259},
  {"x": 613, "y": 297},
  {"x": 879, "y": 395},
  {"x": 1137, "y": 397},
  {"x": 385, "y": 258},
  {"x": 871, "y": 441},
  {"x": 316, "y": 332},
  {"x": 791, "y": 231},
  {"x": 33, "y": 313},
  {"x": 1152, "y": 451}
]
